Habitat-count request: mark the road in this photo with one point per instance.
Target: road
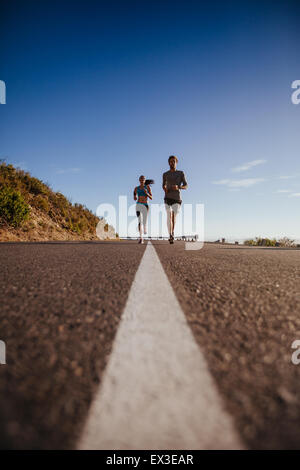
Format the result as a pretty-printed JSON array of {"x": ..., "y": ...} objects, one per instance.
[{"x": 217, "y": 343}]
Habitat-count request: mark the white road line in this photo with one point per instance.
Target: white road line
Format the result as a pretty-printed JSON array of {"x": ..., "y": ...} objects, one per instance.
[{"x": 156, "y": 391}]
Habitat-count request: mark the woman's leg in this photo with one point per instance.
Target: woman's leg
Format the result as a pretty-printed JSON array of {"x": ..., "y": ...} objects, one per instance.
[
  {"x": 141, "y": 230},
  {"x": 145, "y": 218},
  {"x": 138, "y": 214}
]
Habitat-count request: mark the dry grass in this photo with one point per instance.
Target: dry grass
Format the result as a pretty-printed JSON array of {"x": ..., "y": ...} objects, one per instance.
[{"x": 52, "y": 216}]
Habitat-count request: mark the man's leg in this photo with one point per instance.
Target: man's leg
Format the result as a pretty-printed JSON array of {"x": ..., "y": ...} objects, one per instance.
[
  {"x": 173, "y": 222},
  {"x": 175, "y": 211},
  {"x": 169, "y": 218}
]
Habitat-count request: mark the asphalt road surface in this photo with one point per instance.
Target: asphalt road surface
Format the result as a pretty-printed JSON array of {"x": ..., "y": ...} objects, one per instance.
[{"x": 77, "y": 322}]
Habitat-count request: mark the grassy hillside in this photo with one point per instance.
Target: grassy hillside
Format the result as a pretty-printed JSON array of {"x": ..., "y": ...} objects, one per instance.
[{"x": 31, "y": 210}]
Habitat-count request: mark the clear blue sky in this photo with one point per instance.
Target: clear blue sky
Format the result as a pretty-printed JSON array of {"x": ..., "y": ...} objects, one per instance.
[{"x": 101, "y": 92}]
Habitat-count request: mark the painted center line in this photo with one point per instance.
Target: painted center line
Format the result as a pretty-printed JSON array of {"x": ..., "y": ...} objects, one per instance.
[{"x": 156, "y": 391}]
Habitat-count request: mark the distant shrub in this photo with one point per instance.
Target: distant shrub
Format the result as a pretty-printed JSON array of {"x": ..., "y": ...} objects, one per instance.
[
  {"x": 259, "y": 241},
  {"x": 266, "y": 242},
  {"x": 250, "y": 242},
  {"x": 40, "y": 202},
  {"x": 13, "y": 208},
  {"x": 35, "y": 186},
  {"x": 287, "y": 242}
]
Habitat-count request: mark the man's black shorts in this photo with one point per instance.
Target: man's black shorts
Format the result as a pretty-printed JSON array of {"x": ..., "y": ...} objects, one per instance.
[{"x": 170, "y": 202}]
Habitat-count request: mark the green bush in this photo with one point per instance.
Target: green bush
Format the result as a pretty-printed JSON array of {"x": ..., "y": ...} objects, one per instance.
[
  {"x": 259, "y": 241},
  {"x": 36, "y": 186},
  {"x": 250, "y": 242},
  {"x": 41, "y": 203},
  {"x": 13, "y": 208}
]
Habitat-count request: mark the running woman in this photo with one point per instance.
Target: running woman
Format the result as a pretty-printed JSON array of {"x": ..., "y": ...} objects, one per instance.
[
  {"x": 173, "y": 181},
  {"x": 141, "y": 194}
]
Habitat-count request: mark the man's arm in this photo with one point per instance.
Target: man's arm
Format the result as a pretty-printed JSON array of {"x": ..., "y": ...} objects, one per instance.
[
  {"x": 184, "y": 184},
  {"x": 134, "y": 193},
  {"x": 164, "y": 183}
]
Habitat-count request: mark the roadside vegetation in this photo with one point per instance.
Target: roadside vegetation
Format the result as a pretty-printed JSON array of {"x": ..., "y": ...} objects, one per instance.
[
  {"x": 26, "y": 201},
  {"x": 259, "y": 241},
  {"x": 13, "y": 208}
]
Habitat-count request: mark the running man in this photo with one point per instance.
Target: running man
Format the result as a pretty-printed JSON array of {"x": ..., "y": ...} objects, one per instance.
[
  {"x": 173, "y": 181},
  {"x": 141, "y": 194}
]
